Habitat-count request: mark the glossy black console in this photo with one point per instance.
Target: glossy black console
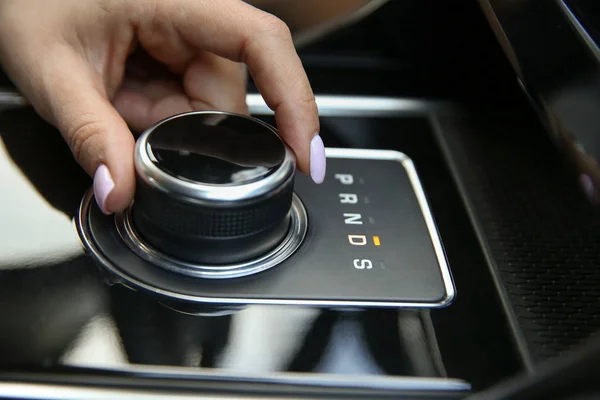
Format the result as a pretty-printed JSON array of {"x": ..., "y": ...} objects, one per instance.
[
  {"x": 110, "y": 328},
  {"x": 519, "y": 237}
]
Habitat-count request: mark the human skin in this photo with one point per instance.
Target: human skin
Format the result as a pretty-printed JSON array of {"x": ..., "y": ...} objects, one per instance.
[{"x": 100, "y": 69}]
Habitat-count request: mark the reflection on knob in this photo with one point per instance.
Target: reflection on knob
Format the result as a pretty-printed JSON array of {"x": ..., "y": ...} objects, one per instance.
[{"x": 213, "y": 187}]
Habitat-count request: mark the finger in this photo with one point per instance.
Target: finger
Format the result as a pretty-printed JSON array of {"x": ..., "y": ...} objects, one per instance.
[
  {"x": 142, "y": 104},
  {"x": 97, "y": 135},
  {"x": 210, "y": 83},
  {"x": 240, "y": 32},
  {"x": 213, "y": 82}
]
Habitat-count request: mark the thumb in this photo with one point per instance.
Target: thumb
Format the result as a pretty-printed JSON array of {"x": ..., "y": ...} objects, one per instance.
[{"x": 98, "y": 136}]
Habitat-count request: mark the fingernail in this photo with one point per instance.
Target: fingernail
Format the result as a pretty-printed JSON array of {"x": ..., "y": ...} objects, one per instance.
[
  {"x": 317, "y": 159},
  {"x": 589, "y": 188},
  {"x": 103, "y": 185}
]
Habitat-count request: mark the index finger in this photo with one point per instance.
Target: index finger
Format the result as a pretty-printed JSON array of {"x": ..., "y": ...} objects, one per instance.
[{"x": 243, "y": 33}]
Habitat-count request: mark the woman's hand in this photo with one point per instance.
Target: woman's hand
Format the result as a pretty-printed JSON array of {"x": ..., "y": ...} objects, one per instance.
[{"x": 96, "y": 68}]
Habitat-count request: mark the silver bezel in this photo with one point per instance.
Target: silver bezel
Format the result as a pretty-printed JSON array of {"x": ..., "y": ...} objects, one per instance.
[
  {"x": 290, "y": 243},
  {"x": 207, "y": 194}
]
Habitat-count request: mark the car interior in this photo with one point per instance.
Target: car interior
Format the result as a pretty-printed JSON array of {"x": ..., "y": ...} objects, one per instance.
[{"x": 468, "y": 132}]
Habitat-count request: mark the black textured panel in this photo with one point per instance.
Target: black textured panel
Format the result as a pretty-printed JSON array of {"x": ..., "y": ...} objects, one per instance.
[{"x": 539, "y": 230}]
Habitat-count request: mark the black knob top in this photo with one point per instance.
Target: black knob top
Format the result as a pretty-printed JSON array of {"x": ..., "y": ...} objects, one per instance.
[
  {"x": 212, "y": 187},
  {"x": 215, "y": 149}
]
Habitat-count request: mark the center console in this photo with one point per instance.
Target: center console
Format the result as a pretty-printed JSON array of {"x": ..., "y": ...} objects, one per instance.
[
  {"x": 375, "y": 283},
  {"x": 450, "y": 252},
  {"x": 218, "y": 198}
]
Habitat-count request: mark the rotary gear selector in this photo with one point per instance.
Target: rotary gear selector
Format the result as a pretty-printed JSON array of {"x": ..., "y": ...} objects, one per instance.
[
  {"x": 213, "y": 188},
  {"x": 221, "y": 218}
]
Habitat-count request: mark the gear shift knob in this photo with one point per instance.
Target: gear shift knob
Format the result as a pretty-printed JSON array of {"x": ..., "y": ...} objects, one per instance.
[{"x": 213, "y": 187}]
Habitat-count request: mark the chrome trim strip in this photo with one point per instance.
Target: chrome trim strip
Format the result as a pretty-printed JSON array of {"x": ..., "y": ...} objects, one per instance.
[
  {"x": 82, "y": 223},
  {"x": 329, "y": 105},
  {"x": 287, "y": 247},
  {"x": 62, "y": 391},
  {"x": 501, "y": 36},
  {"x": 361, "y": 106},
  {"x": 11, "y": 99},
  {"x": 213, "y": 195},
  {"x": 382, "y": 382},
  {"x": 588, "y": 40},
  {"x": 35, "y": 391}
]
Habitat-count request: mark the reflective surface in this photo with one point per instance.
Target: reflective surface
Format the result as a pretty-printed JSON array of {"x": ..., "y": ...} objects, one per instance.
[
  {"x": 56, "y": 305},
  {"x": 60, "y": 310},
  {"x": 215, "y": 149}
]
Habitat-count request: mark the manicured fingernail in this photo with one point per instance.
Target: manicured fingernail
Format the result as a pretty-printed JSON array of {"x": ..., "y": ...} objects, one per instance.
[
  {"x": 317, "y": 159},
  {"x": 588, "y": 186},
  {"x": 103, "y": 185}
]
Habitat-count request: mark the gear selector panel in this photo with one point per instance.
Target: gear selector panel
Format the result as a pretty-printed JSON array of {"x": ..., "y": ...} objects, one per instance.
[
  {"x": 371, "y": 232},
  {"x": 214, "y": 226}
]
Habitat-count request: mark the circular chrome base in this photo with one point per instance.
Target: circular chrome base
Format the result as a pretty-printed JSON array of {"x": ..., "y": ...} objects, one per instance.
[
  {"x": 115, "y": 246},
  {"x": 292, "y": 240}
]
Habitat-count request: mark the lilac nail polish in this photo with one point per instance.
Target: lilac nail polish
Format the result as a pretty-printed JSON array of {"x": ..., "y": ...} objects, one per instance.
[
  {"x": 317, "y": 159},
  {"x": 589, "y": 188},
  {"x": 103, "y": 185}
]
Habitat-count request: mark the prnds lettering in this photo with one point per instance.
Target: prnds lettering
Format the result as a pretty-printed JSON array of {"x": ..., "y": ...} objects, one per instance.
[
  {"x": 362, "y": 264},
  {"x": 345, "y": 179},
  {"x": 357, "y": 240},
  {"x": 352, "y": 219},
  {"x": 348, "y": 198}
]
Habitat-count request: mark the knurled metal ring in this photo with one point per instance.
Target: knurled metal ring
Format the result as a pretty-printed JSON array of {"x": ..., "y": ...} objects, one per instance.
[{"x": 290, "y": 243}]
